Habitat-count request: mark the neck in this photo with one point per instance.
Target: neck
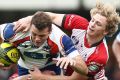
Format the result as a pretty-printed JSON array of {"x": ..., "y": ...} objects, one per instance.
[{"x": 93, "y": 39}]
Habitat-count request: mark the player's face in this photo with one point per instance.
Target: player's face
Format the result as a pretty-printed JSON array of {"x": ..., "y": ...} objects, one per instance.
[
  {"x": 39, "y": 36},
  {"x": 97, "y": 26}
]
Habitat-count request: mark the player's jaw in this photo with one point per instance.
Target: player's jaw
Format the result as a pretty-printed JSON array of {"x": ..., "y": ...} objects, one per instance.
[{"x": 38, "y": 43}]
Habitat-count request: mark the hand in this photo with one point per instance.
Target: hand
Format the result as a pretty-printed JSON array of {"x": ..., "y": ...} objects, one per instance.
[
  {"x": 15, "y": 75},
  {"x": 35, "y": 73},
  {"x": 63, "y": 62},
  {"x": 6, "y": 68},
  {"x": 48, "y": 72},
  {"x": 22, "y": 25}
]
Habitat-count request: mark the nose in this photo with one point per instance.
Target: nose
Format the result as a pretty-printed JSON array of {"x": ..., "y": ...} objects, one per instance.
[
  {"x": 92, "y": 24},
  {"x": 37, "y": 38}
]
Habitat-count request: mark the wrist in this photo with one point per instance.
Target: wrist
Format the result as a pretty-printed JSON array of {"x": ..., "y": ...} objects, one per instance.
[{"x": 73, "y": 54}]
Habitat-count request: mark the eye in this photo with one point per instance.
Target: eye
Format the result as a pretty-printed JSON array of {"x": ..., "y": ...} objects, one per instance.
[
  {"x": 92, "y": 20},
  {"x": 42, "y": 35},
  {"x": 99, "y": 24},
  {"x": 33, "y": 34}
]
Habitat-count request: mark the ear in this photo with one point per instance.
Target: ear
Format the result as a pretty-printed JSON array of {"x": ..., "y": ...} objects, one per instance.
[
  {"x": 105, "y": 32},
  {"x": 50, "y": 31}
]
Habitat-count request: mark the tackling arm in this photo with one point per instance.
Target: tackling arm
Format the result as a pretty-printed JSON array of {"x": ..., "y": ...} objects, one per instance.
[{"x": 116, "y": 50}]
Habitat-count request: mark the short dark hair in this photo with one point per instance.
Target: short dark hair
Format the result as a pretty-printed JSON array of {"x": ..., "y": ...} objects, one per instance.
[{"x": 41, "y": 21}]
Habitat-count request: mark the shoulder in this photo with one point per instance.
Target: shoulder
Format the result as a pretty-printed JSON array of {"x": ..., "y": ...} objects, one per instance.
[
  {"x": 7, "y": 31},
  {"x": 101, "y": 54},
  {"x": 56, "y": 33},
  {"x": 73, "y": 21}
]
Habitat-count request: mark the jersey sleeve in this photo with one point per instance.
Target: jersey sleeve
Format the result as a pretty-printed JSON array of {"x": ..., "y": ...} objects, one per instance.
[
  {"x": 71, "y": 21},
  {"x": 6, "y": 31},
  {"x": 69, "y": 47},
  {"x": 62, "y": 42}
]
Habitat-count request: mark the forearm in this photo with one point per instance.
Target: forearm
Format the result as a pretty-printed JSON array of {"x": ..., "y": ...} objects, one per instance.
[
  {"x": 74, "y": 76},
  {"x": 28, "y": 18},
  {"x": 56, "y": 18},
  {"x": 46, "y": 77},
  {"x": 116, "y": 50},
  {"x": 80, "y": 66},
  {"x": 59, "y": 77}
]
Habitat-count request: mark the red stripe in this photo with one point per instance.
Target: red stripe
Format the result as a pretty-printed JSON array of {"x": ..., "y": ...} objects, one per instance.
[
  {"x": 16, "y": 43},
  {"x": 53, "y": 46}
]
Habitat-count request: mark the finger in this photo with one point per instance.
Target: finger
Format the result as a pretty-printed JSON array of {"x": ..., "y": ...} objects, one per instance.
[
  {"x": 36, "y": 68},
  {"x": 1, "y": 64},
  {"x": 6, "y": 68},
  {"x": 17, "y": 25},
  {"x": 20, "y": 28},
  {"x": 66, "y": 65},
  {"x": 71, "y": 63},
  {"x": 29, "y": 77},
  {"x": 58, "y": 62},
  {"x": 31, "y": 69},
  {"x": 55, "y": 60},
  {"x": 63, "y": 63},
  {"x": 74, "y": 63}
]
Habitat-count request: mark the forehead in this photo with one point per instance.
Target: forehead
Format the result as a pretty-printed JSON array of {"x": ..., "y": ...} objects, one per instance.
[
  {"x": 36, "y": 31},
  {"x": 100, "y": 18}
]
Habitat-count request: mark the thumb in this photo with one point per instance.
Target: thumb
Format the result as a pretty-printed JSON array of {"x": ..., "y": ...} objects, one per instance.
[
  {"x": 55, "y": 60},
  {"x": 34, "y": 69},
  {"x": 1, "y": 64}
]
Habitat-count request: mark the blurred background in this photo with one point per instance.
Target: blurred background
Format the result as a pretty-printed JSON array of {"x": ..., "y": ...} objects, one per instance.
[{"x": 12, "y": 10}]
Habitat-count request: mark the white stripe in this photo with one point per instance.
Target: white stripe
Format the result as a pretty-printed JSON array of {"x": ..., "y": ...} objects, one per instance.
[{"x": 73, "y": 54}]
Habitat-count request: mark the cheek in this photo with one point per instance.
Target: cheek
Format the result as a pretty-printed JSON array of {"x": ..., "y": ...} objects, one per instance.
[
  {"x": 99, "y": 31},
  {"x": 45, "y": 38}
]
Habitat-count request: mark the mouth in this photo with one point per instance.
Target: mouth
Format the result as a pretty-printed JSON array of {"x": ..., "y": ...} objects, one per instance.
[{"x": 91, "y": 29}]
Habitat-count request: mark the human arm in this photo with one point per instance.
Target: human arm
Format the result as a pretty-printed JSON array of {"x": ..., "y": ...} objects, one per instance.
[
  {"x": 68, "y": 50},
  {"x": 36, "y": 74},
  {"x": 76, "y": 63},
  {"x": 23, "y": 24},
  {"x": 116, "y": 49},
  {"x": 67, "y": 21}
]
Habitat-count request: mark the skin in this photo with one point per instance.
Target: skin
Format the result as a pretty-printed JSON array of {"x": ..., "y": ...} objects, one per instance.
[
  {"x": 95, "y": 32},
  {"x": 116, "y": 50},
  {"x": 96, "y": 29},
  {"x": 39, "y": 36}
]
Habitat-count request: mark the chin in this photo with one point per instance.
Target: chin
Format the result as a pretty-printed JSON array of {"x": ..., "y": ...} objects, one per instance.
[
  {"x": 90, "y": 33},
  {"x": 36, "y": 45}
]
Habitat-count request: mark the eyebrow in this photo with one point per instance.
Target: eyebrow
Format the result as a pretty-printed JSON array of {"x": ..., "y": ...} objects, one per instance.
[
  {"x": 39, "y": 35},
  {"x": 97, "y": 21}
]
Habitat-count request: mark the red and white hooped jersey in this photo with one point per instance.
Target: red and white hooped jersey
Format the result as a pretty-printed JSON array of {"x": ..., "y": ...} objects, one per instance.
[
  {"x": 57, "y": 43},
  {"x": 95, "y": 56}
]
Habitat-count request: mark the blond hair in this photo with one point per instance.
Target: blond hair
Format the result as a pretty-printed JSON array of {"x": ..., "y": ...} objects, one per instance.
[{"x": 108, "y": 11}]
